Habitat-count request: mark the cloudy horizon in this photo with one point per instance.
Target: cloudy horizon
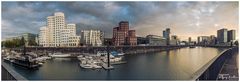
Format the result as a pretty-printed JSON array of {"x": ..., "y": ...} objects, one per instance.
[{"x": 185, "y": 19}]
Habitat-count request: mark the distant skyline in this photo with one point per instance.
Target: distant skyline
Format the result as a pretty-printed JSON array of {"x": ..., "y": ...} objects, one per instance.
[{"x": 185, "y": 19}]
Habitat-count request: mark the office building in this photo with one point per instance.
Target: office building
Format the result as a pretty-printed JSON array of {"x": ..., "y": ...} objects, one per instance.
[
  {"x": 123, "y": 36},
  {"x": 91, "y": 37},
  {"x": 174, "y": 40},
  {"x": 231, "y": 34},
  {"x": 204, "y": 40},
  {"x": 222, "y": 35},
  {"x": 166, "y": 34},
  {"x": 57, "y": 33},
  {"x": 154, "y": 40}
]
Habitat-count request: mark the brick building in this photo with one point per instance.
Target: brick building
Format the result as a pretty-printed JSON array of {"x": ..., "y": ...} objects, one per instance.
[{"x": 123, "y": 36}]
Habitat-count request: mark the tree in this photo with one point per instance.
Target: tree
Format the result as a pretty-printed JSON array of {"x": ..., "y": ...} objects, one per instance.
[
  {"x": 22, "y": 42},
  {"x": 32, "y": 43},
  {"x": 2, "y": 43}
]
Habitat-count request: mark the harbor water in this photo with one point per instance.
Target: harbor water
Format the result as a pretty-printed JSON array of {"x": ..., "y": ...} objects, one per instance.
[{"x": 179, "y": 64}]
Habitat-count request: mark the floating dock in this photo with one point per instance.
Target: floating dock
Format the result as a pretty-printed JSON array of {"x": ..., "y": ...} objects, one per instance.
[
  {"x": 116, "y": 63},
  {"x": 105, "y": 66}
]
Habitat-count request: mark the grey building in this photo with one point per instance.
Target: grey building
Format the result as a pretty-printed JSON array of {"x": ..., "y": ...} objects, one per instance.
[
  {"x": 222, "y": 35},
  {"x": 154, "y": 40},
  {"x": 231, "y": 35},
  {"x": 166, "y": 35},
  {"x": 204, "y": 40}
]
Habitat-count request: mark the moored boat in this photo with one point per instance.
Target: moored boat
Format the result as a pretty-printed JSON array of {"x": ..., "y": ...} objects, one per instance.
[{"x": 60, "y": 55}]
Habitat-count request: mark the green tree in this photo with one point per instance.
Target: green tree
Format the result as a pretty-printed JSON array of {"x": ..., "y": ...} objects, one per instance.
[
  {"x": 32, "y": 43},
  {"x": 2, "y": 43}
]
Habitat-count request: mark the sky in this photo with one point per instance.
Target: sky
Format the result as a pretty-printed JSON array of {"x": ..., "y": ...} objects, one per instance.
[{"x": 185, "y": 19}]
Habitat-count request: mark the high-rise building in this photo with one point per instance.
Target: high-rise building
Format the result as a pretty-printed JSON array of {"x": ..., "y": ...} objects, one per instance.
[
  {"x": 91, "y": 37},
  {"x": 57, "y": 32},
  {"x": 189, "y": 39},
  {"x": 231, "y": 35},
  {"x": 131, "y": 39},
  {"x": 43, "y": 37},
  {"x": 123, "y": 36},
  {"x": 222, "y": 35},
  {"x": 166, "y": 34}
]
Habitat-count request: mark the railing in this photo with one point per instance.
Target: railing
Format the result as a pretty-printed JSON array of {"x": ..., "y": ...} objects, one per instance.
[
  {"x": 8, "y": 74},
  {"x": 211, "y": 70}
]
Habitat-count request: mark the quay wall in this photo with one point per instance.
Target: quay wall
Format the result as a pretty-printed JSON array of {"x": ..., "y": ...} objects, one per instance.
[{"x": 125, "y": 49}]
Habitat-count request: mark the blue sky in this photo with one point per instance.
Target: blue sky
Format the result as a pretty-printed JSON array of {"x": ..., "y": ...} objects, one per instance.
[{"x": 186, "y": 19}]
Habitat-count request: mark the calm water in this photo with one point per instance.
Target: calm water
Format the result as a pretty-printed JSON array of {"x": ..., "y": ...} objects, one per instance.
[{"x": 177, "y": 64}]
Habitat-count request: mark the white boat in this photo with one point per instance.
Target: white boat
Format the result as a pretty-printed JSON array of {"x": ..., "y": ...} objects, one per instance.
[
  {"x": 40, "y": 64},
  {"x": 86, "y": 66},
  {"x": 96, "y": 66},
  {"x": 121, "y": 54},
  {"x": 60, "y": 55},
  {"x": 113, "y": 53},
  {"x": 80, "y": 56}
]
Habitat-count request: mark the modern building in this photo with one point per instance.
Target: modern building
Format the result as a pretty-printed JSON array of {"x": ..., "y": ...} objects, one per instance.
[
  {"x": 91, "y": 37},
  {"x": 204, "y": 40},
  {"x": 166, "y": 34},
  {"x": 174, "y": 40},
  {"x": 123, "y": 36},
  {"x": 154, "y": 40},
  {"x": 43, "y": 37},
  {"x": 231, "y": 34},
  {"x": 213, "y": 40},
  {"x": 57, "y": 33},
  {"x": 131, "y": 39},
  {"x": 222, "y": 35},
  {"x": 141, "y": 40},
  {"x": 73, "y": 41}
]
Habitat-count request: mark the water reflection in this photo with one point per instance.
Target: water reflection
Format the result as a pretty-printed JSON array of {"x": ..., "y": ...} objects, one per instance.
[{"x": 177, "y": 64}]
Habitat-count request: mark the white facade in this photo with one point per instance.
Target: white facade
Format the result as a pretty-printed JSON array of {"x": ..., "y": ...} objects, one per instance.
[
  {"x": 43, "y": 36},
  {"x": 91, "y": 37},
  {"x": 74, "y": 41},
  {"x": 57, "y": 32}
]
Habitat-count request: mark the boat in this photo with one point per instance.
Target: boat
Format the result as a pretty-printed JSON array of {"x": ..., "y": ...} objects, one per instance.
[
  {"x": 86, "y": 66},
  {"x": 96, "y": 66},
  {"x": 40, "y": 63},
  {"x": 60, "y": 55},
  {"x": 113, "y": 53},
  {"x": 26, "y": 61},
  {"x": 112, "y": 59},
  {"x": 6, "y": 59}
]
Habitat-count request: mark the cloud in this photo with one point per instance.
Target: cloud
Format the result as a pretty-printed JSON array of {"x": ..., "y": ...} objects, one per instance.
[{"x": 184, "y": 18}]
